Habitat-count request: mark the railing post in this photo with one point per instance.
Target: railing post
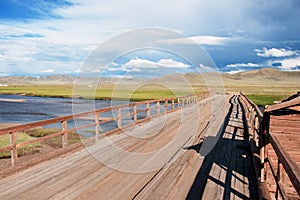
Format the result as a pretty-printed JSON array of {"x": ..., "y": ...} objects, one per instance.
[
  {"x": 277, "y": 179},
  {"x": 283, "y": 175},
  {"x": 173, "y": 104},
  {"x": 262, "y": 160},
  {"x": 14, "y": 150},
  {"x": 134, "y": 113},
  {"x": 64, "y": 137},
  {"x": 158, "y": 107},
  {"x": 119, "y": 122},
  {"x": 148, "y": 109},
  {"x": 166, "y": 106},
  {"x": 256, "y": 127},
  {"x": 96, "y": 127}
]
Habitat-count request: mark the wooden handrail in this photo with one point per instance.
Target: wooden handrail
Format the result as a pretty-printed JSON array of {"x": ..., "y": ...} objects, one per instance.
[
  {"x": 257, "y": 110},
  {"x": 181, "y": 102},
  {"x": 289, "y": 166},
  {"x": 71, "y": 117},
  {"x": 283, "y": 105},
  {"x": 254, "y": 119}
]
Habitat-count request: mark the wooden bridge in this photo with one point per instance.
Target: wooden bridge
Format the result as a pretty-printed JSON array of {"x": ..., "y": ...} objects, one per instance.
[{"x": 183, "y": 148}]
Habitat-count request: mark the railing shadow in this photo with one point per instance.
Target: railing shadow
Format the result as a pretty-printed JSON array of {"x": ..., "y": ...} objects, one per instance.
[{"x": 229, "y": 154}]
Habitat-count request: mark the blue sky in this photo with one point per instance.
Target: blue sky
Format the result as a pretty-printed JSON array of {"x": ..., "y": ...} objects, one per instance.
[{"x": 56, "y": 37}]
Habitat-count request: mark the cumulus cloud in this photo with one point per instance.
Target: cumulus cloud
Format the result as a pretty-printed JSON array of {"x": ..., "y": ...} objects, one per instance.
[
  {"x": 204, "y": 40},
  {"x": 144, "y": 63},
  {"x": 289, "y": 63},
  {"x": 63, "y": 42},
  {"x": 274, "y": 52},
  {"x": 47, "y": 71},
  {"x": 235, "y": 71},
  {"x": 238, "y": 65}
]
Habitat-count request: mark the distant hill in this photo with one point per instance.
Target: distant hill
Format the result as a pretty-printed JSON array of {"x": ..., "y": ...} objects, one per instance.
[
  {"x": 25, "y": 80},
  {"x": 263, "y": 76}
]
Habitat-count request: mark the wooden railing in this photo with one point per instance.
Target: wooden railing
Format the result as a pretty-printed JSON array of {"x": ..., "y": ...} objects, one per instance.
[
  {"x": 258, "y": 126},
  {"x": 168, "y": 104}
]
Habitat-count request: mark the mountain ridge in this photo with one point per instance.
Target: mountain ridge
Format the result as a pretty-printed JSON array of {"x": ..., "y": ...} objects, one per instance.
[{"x": 259, "y": 76}]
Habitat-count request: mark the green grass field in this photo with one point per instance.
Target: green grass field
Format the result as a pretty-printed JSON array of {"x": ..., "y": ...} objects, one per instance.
[
  {"x": 263, "y": 100},
  {"x": 103, "y": 92},
  {"x": 260, "y": 94}
]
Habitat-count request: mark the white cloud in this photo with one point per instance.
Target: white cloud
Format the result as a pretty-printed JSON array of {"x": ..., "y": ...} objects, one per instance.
[
  {"x": 47, "y": 71},
  {"x": 172, "y": 63},
  {"x": 204, "y": 40},
  {"x": 237, "y": 65},
  {"x": 120, "y": 76},
  {"x": 204, "y": 68},
  {"x": 235, "y": 71},
  {"x": 67, "y": 40},
  {"x": 289, "y": 64},
  {"x": 143, "y": 63},
  {"x": 273, "y": 52}
]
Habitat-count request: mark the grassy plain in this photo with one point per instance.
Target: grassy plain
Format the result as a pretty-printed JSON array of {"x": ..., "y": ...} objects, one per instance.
[
  {"x": 260, "y": 94},
  {"x": 104, "y": 92},
  {"x": 264, "y": 94}
]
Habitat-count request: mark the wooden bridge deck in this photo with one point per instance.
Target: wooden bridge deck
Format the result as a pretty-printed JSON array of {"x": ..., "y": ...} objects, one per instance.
[
  {"x": 165, "y": 163},
  {"x": 227, "y": 171}
]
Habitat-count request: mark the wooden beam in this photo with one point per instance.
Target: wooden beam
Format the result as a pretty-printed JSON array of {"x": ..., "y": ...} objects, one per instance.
[
  {"x": 292, "y": 102},
  {"x": 14, "y": 150},
  {"x": 97, "y": 127},
  {"x": 134, "y": 113},
  {"x": 291, "y": 168},
  {"x": 65, "y": 134},
  {"x": 148, "y": 109},
  {"x": 119, "y": 122}
]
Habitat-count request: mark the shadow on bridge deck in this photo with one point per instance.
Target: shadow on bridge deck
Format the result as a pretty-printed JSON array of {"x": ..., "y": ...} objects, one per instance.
[{"x": 227, "y": 171}]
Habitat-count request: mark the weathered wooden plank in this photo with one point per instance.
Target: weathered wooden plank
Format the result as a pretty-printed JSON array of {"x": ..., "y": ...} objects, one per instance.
[
  {"x": 284, "y": 123},
  {"x": 286, "y": 130},
  {"x": 82, "y": 178},
  {"x": 296, "y": 108},
  {"x": 289, "y": 165},
  {"x": 292, "y": 102},
  {"x": 66, "y": 172},
  {"x": 291, "y": 117}
]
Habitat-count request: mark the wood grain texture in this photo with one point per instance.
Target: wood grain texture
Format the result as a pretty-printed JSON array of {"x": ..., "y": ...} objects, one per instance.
[{"x": 167, "y": 149}]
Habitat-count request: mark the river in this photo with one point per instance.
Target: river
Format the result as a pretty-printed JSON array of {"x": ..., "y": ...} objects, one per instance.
[{"x": 41, "y": 108}]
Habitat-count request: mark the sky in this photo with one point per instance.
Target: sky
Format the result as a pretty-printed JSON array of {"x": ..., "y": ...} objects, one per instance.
[{"x": 49, "y": 37}]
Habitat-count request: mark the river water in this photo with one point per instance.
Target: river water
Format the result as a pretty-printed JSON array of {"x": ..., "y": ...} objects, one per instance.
[{"x": 41, "y": 108}]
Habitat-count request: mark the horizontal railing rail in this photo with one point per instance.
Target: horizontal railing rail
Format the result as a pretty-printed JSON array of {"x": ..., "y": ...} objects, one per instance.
[
  {"x": 285, "y": 166},
  {"x": 170, "y": 104}
]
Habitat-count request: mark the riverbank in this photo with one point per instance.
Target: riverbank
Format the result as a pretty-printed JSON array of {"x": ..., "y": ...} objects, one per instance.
[{"x": 12, "y": 100}]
